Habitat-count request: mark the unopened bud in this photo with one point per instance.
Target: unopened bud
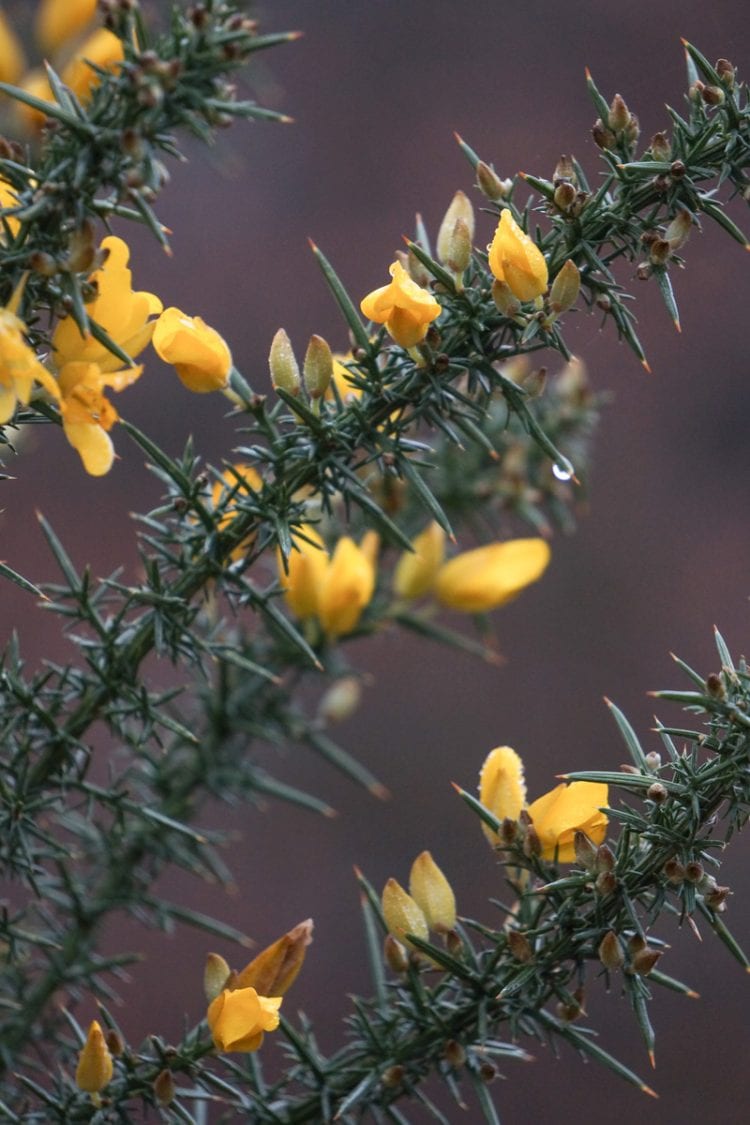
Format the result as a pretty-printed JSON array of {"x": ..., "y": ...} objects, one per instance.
[
  {"x": 432, "y": 893},
  {"x": 657, "y": 793},
  {"x": 454, "y": 1054},
  {"x": 661, "y": 148},
  {"x": 215, "y": 975},
  {"x": 275, "y": 969},
  {"x": 518, "y": 944},
  {"x": 603, "y": 136},
  {"x": 565, "y": 288},
  {"x": 417, "y": 272},
  {"x": 402, "y": 914},
  {"x": 454, "y": 943},
  {"x": 488, "y": 1072},
  {"x": 715, "y": 686},
  {"x": 283, "y": 364},
  {"x": 490, "y": 184},
  {"x": 115, "y": 1042},
  {"x": 713, "y": 95},
  {"x": 605, "y": 858},
  {"x": 460, "y": 209},
  {"x": 532, "y": 845},
  {"x": 660, "y": 252},
  {"x": 635, "y": 944},
  {"x": 619, "y": 114},
  {"x": 653, "y": 760},
  {"x": 42, "y": 263},
  {"x": 677, "y": 169},
  {"x": 565, "y": 196},
  {"x": 459, "y": 248},
  {"x": 395, "y": 955},
  {"x": 610, "y": 952},
  {"x": 317, "y": 367},
  {"x": 726, "y": 73},
  {"x": 585, "y": 851},
  {"x": 505, "y": 300},
  {"x": 164, "y": 1088},
  {"x": 606, "y": 883},
  {"x": 695, "y": 90},
  {"x": 694, "y": 871},
  {"x": 633, "y": 130},
  {"x": 341, "y": 700},
  {"x": 674, "y": 871},
  {"x": 393, "y": 1076},
  {"x": 644, "y": 961},
  {"x": 572, "y": 1009},
  {"x": 508, "y": 831}
]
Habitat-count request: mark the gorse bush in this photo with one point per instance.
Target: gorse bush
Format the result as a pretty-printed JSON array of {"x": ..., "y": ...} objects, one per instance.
[{"x": 363, "y": 492}]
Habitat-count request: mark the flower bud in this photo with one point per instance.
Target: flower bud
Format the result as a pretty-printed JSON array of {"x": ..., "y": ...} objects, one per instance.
[
  {"x": 653, "y": 760},
  {"x": 395, "y": 955},
  {"x": 432, "y": 893},
  {"x": 619, "y": 114},
  {"x": 393, "y": 1076},
  {"x": 402, "y": 914},
  {"x": 115, "y": 1042},
  {"x": 504, "y": 299},
  {"x": 610, "y": 952},
  {"x": 661, "y": 149},
  {"x": 726, "y": 73},
  {"x": 215, "y": 975},
  {"x": 585, "y": 851},
  {"x": 515, "y": 258},
  {"x": 317, "y": 367},
  {"x": 605, "y": 858},
  {"x": 657, "y": 793},
  {"x": 283, "y": 364},
  {"x": 490, "y": 184},
  {"x": 488, "y": 1072},
  {"x": 713, "y": 95},
  {"x": 532, "y": 844},
  {"x": 502, "y": 789},
  {"x": 694, "y": 871},
  {"x": 460, "y": 209},
  {"x": 674, "y": 871},
  {"x": 164, "y": 1088},
  {"x": 454, "y": 1054},
  {"x": 199, "y": 355},
  {"x": 94, "y": 1068},
  {"x": 565, "y": 288},
  {"x": 275, "y": 969},
  {"x": 81, "y": 249},
  {"x": 715, "y": 686},
  {"x": 603, "y": 137},
  {"x": 341, "y": 700},
  {"x": 459, "y": 248},
  {"x": 518, "y": 944},
  {"x": 606, "y": 883},
  {"x": 564, "y": 196},
  {"x": 565, "y": 170},
  {"x": 644, "y": 961}
]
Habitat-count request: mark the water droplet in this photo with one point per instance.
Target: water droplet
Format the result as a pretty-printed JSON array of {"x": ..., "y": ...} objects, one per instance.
[{"x": 563, "y": 472}]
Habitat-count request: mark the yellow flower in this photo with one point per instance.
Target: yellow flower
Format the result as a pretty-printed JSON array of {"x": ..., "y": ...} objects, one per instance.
[
  {"x": 489, "y": 576},
  {"x": 342, "y": 379},
  {"x": 58, "y": 21},
  {"x": 403, "y": 307},
  {"x": 198, "y": 353},
  {"x": 346, "y": 588},
  {"x": 94, "y": 1068},
  {"x": 104, "y": 50},
  {"x": 239, "y": 479},
  {"x": 515, "y": 259},
  {"x": 8, "y": 198},
  {"x": 568, "y": 809},
  {"x": 502, "y": 789},
  {"x": 306, "y": 567},
  {"x": 238, "y": 1019},
  {"x": 87, "y": 415},
  {"x": 19, "y": 366},
  {"x": 416, "y": 571},
  {"x": 117, "y": 308},
  {"x": 12, "y": 60}
]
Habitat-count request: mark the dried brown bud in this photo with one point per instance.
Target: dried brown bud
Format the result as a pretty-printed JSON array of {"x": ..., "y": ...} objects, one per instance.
[
  {"x": 726, "y": 73},
  {"x": 661, "y": 149},
  {"x": 644, "y": 961},
  {"x": 605, "y": 858},
  {"x": 716, "y": 899},
  {"x": 454, "y": 1054},
  {"x": 610, "y": 951},
  {"x": 532, "y": 845},
  {"x": 715, "y": 686},
  {"x": 606, "y": 883},
  {"x": 395, "y": 955},
  {"x": 644, "y": 271},
  {"x": 713, "y": 95},
  {"x": 115, "y": 1041},
  {"x": 164, "y": 1088},
  {"x": 488, "y": 1072},
  {"x": 657, "y": 793},
  {"x": 619, "y": 114},
  {"x": 674, "y": 871},
  {"x": 660, "y": 252},
  {"x": 565, "y": 196},
  {"x": 518, "y": 944},
  {"x": 694, "y": 871},
  {"x": 585, "y": 851},
  {"x": 564, "y": 170},
  {"x": 43, "y": 263},
  {"x": 393, "y": 1076},
  {"x": 603, "y": 136}
]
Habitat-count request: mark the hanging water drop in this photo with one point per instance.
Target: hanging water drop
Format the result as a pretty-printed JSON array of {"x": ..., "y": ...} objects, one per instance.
[{"x": 563, "y": 472}]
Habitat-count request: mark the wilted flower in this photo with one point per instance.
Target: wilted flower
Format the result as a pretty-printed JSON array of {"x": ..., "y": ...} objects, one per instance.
[
  {"x": 199, "y": 355},
  {"x": 122, "y": 312},
  {"x": 403, "y": 307},
  {"x": 487, "y": 577},
  {"x": 238, "y": 1019},
  {"x": 95, "y": 1067},
  {"x": 502, "y": 789},
  {"x": 416, "y": 570},
  {"x": 568, "y": 809},
  {"x": 515, "y": 259}
]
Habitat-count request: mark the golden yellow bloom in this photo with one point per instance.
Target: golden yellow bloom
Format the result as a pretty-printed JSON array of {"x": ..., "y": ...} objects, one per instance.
[
  {"x": 19, "y": 366},
  {"x": 104, "y": 50},
  {"x": 12, "y": 60},
  {"x": 117, "y": 308},
  {"x": 432, "y": 893},
  {"x": 87, "y": 415},
  {"x": 342, "y": 378},
  {"x": 306, "y": 568},
  {"x": 199, "y": 355},
  {"x": 238, "y": 1019},
  {"x": 403, "y": 307},
  {"x": 402, "y": 914},
  {"x": 487, "y": 577},
  {"x": 94, "y": 1068},
  {"x": 502, "y": 789},
  {"x": 515, "y": 259},
  {"x": 568, "y": 809},
  {"x": 58, "y": 21},
  {"x": 239, "y": 479},
  {"x": 346, "y": 588},
  {"x": 275, "y": 969},
  {"x": 416, "y": 571}
]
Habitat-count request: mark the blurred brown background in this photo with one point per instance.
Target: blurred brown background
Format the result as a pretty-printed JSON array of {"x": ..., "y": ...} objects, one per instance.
[{"x": 377, "y": 90}]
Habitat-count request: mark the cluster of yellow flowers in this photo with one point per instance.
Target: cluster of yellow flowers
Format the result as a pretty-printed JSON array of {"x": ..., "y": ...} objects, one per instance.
[
  {"x": 85, "y": 368},
  {"x": 65, "y": 33}
]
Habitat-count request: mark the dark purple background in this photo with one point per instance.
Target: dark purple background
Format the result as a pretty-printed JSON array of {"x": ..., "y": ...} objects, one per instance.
[{"x": 377, "y": 90}]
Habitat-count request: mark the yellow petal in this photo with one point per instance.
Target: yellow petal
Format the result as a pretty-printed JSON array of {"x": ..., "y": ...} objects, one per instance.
[
  {"x": 275, "y": 969},
  {"x": 93, "y": 444},
  {"x": 487, "y": 577},
  {"x": 346, "y": 588},
  {"x": 516, "y": 259},
  {"x": 238, "y": 1018},
  {"x": 416, "y": 571},
  {"x": 566, "y": 809},
  {"x": 197, "y": 352},
  {"x": 102, "y": 48},
  {"x": 12, "y": 62},
  {"x": 58, "y": 21},
  {"x": 95, "y": 1067},
  {"x": 502, "y": 789},
  {"x": 307, "y": 565}
]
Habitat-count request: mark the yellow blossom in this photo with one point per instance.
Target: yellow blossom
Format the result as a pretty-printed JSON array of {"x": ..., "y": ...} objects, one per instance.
[
  {"x": 19, "y": 366},
  {"x": 306, "y": 567},
  {"x": 87, "y": 415},
  {"x": 239, "y": 1018},
  {"x": 568, "y": 809},
  {"x": 487, "y": 577},
  {"x": 275, "y": 969},
  {"x": 432, "y": 893},
  {"x": 403, "y": 307},
  {"x": 346, "y": 588},
  {"x": 12, "y": 60},
  {"x": 342, "y": 379},
  {"x": 416, "y": 570},
  {"x": 8, "y": 198},
  {"x": 104, "y": 50},
  {"x": 515, "y": 259},
  {"x": 94, "y": 1068},
  {"x": 502, "y": 789},
  {"x": 57, "y": 21},
  {"x": 117, "y": 308},
  {"x": 197, "y": 352},
  {"x": 235, "y": 481}
]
